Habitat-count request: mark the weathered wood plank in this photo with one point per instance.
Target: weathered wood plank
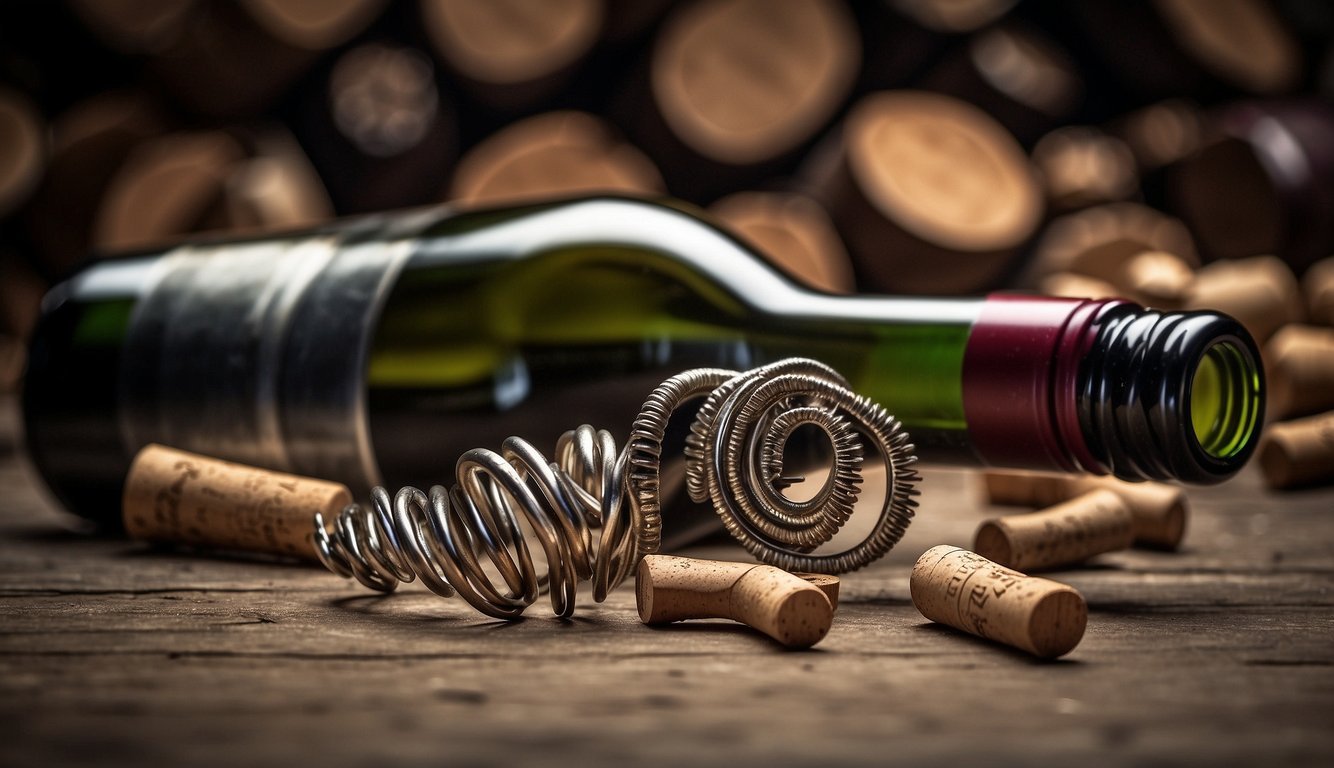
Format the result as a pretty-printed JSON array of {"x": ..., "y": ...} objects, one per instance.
[{"x": 118, "y": 654}]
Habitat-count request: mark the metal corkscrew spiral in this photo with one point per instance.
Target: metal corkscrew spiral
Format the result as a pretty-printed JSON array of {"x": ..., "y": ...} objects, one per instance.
[{"x": 595, "y": 512}]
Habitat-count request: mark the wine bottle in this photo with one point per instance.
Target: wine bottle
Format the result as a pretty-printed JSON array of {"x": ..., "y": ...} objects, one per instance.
[{"x": 379, "y": 348}]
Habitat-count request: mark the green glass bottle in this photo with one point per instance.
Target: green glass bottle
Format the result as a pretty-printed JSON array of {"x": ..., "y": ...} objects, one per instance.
[{"x": 377, "y": 349}]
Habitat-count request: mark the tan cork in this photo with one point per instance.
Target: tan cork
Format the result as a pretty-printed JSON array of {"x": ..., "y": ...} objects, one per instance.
[
  {"x": 182, "y": 498},
  {"x": 549, "y": 155},
  {"x": 966, "y": 591},
  {"x": 827, "y": 583},
  {"x": 1158, "y": 278},
  {"x": 1077, "y": 286},
  {"x": 1300, "y": 452},
  {"x": 787, "y": 608},
  {"x": 1157, "y": 510},
  {"x": 1318, "y": 285},
  {"x": 1068, "y": 533},
  {"x": 1260, "y": 292},
  {"x": 1299, "y": 363},
  {"x": 794, "y": 232}
]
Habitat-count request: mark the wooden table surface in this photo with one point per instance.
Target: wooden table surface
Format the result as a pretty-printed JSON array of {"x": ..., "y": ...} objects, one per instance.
[{"x": 112, "y": 653}]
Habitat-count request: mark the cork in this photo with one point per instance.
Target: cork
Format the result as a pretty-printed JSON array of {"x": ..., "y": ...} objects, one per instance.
[
  {"x": 1157, "y": 278},
  {"x": 22, "y": 149},
  {"x": 1299, "y": 363},
  {"x": 1318, "y": 286},
  {"x": 827, "y": 583},
  {"x": 1162, "y": 133},
  {"x": 1157, "y": 510},
  {"x": 553, "y": 154},
  {"x": 1066, "y": 534},
  {"x": 794, "y": 232},
  {"x": 176, "y": 497},
  {"x": 1299, "y": 452},
  {"x": 783, "y": 606},
  {"x": 1082, "y": 166},
  {"x": 930, "y": 193},
  {"x": 1260, "y": 292},
  {"x": 1099, "y": 241},
  {"x": 1075, "y": 285},
  {"x": 512, "y": 53},
  {"x": 744, "y": 81},
  {"x": 966, "y": 591},
  {"x": 164, "y": 188}
]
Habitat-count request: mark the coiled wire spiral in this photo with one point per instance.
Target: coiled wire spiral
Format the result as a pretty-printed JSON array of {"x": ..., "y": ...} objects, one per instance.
[{"x": 734, "y": 459}]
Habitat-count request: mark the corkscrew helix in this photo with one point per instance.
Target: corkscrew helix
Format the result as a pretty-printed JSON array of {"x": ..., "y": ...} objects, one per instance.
[{"x": 734, "y": 459}]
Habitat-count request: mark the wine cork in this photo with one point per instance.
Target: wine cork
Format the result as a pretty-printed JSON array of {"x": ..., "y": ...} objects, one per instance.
[
  {"x": 776, "y": 73},
  {"x": 1157, "y": 510},
  {"x": 89, "y": 143},
  {"x": 513, "y": 53},
  {"x": 1016, "y": 74},
  {"x": 1071, "y": 532},
  {"x": 552, "y": 155},
  {"x": 1260, "y": 292},
  {"x": 1162, "y": 133},
  {"x": 794, "y": 232},
  {"x": 182, "y": 498},
  {"x": 165, "y": 187},
  {"x": 22, "y": 149},
  {"x": 1202, "y": 50},
  {"x": 1075, "y": 285},
  {"x": 1099, "y": 241},
  {"x": 930, "y": 194},
  {"x": 1082, "y": 166},
  {"x": 964, "y": 590},
  {"x": 1299, "y": 452},
  {"x": 787, "y": 608},
  {"x": 826, "y": 583},
  {"x": 1157, "y": 278},
  {"x": 378, "y": 128},
  {"x": 1299, "y": 363},
  {"x": 1318, "y": 287}
]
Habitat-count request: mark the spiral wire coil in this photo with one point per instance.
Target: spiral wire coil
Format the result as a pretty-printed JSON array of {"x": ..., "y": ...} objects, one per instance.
[{"x": 595, "y": 512}]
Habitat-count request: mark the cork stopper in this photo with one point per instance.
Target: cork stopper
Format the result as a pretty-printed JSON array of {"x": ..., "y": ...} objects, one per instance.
[
  {"x": 794, "y": 232},
  {"x": 22, "y": 149},
  {"x": 930, "y": 193},
  {"x": 164, "y": 188},
  {"x": 1099, "y": 241},
  {"x": 1241, "y": 41},
  {"x": 825, "y": 582},
  {"x": 1077, "y": 286},
  {"x": 1158, "y": 279},
  {"x": 783, "y": 606},
  {"x": 775, "y": 74},
  {"x": 1066, "y": 534},
  {"x": 512, "y": 48},
  {"x": 1299, "y": 453},
  {"x": 552, "y": 155},
  {"x": 1157, "y": 510},
  {"x": 176, "y": 497},
  {"x": 1318, "y": 286},
  {"x": 1260, "y": 292},
  {"x": 1300, "y": 371},
  {"x": 1082, "y": 166},
  {"x": 964, "y": 590}
]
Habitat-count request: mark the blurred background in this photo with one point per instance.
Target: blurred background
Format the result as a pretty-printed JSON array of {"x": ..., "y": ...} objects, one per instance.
[{"x": 1180, "y": 152}]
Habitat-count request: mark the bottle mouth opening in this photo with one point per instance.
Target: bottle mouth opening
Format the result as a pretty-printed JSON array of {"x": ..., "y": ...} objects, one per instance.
[{"x": 1224, "y": 399}]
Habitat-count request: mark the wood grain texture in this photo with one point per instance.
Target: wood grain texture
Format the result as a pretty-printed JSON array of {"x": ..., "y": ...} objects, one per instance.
[{"x": 117, "y": 654}]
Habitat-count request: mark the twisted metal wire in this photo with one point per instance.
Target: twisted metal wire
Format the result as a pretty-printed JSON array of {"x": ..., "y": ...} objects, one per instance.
[{"x": 734, "y": 456}]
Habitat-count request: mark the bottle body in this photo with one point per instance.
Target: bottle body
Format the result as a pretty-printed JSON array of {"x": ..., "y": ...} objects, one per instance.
[{"x": 377, "y": 350}]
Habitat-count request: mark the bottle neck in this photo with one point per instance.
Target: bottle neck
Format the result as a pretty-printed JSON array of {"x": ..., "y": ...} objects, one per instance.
[{"x": 1111, "y": 388}]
